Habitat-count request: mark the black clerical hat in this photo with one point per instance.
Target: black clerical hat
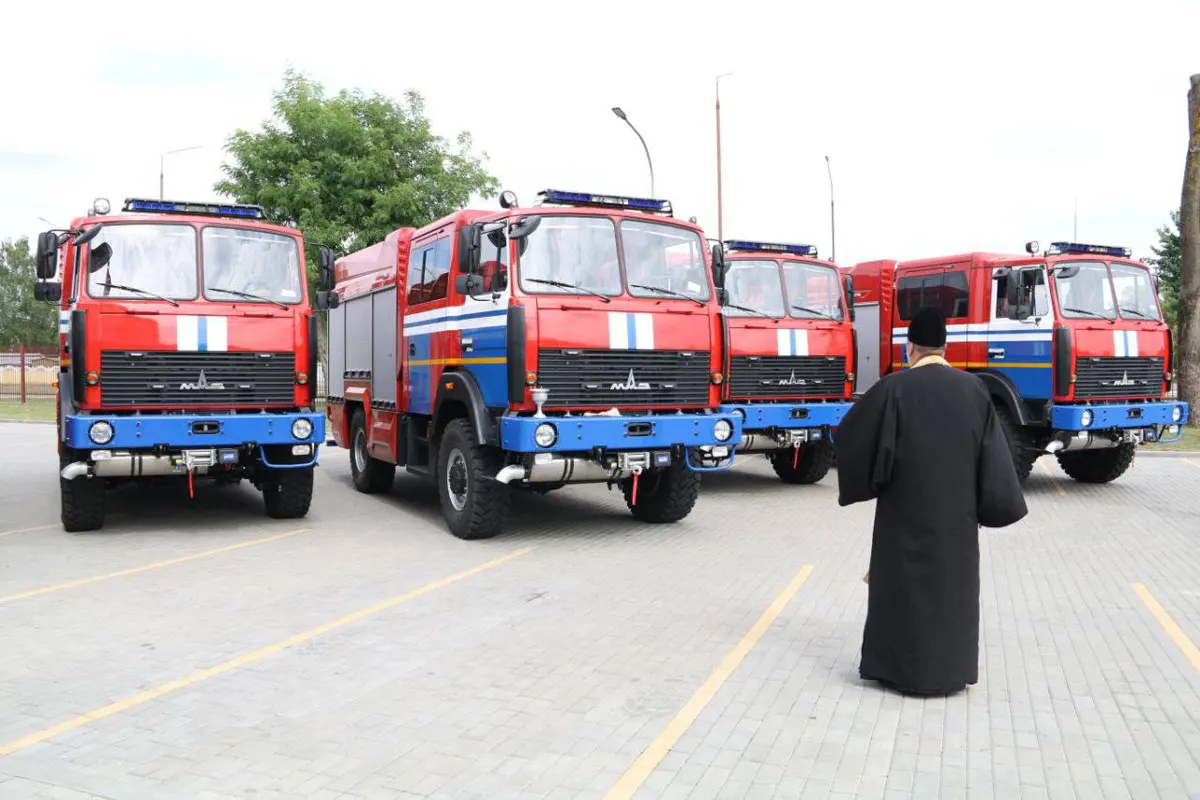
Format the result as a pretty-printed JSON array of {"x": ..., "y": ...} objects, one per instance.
[{"x": 928, "y": 328}]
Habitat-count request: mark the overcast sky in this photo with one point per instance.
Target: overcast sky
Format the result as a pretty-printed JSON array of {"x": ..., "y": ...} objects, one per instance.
[{"x": 949, "y": 128}]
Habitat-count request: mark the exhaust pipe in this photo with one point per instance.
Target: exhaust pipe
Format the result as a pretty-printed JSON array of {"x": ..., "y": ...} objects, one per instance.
[
  {"x": 76, "y": 469},
  {"x": 510, "y": 473},
  {"x": 1055, "y": 446}
]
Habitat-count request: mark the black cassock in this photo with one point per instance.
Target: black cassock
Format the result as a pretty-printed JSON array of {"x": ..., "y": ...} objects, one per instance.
[{"x": 927, "y": 444}]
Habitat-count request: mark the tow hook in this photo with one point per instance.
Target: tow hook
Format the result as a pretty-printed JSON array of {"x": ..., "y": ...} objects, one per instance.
[{"x": 633, "y": 494}]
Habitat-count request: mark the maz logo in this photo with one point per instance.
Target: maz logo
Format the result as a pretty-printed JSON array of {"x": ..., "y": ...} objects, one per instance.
[
  {"x": 631, "y": 384},
  {"x": 1125, "y": 381},
  {"x": 202, "y": 385}
]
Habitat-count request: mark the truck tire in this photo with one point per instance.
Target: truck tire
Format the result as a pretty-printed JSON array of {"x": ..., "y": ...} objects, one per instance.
[
  {"x": 474, "y": 504},
  {"x": 1098, "y": 466},
  {"x": 371, "y": 476},
  {"x": 287, "y": 493},
  {"x": 82, "y": 504},
  {"x": 666, "y": 495},
  {"x": 813, "y": 464},
  {"x": 1019, "y": 442}
]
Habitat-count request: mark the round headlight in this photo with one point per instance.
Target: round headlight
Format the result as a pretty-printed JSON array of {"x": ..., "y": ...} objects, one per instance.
[
  {"x": 722, "y": 430},
  {"x": 1176, "y": 413},
  {"x": 1086, "y": 417},
  {"x": 101, "y": 432},
  {"x": 545, "y": 435},
  {"x": 102, "y": 206},
  {"x": 302, "y": 428}
]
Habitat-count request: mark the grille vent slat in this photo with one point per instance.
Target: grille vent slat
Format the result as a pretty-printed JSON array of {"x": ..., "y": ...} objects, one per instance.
[
  {"x": 1110, "y": 376},
  {"x": 660, "y": 377},
  {"x": 171, "y": 378},
  {"x": 786, "y": 376}
]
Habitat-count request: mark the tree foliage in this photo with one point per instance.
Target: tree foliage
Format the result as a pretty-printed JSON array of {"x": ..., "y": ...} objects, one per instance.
[
  {"x": 349, "y": 169},
  {"x": 23, "y": 320},
  {"x": 1168, "y": 266}
]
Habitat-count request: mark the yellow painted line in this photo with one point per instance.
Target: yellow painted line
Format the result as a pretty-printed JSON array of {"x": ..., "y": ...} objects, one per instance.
[
  {"x": 1195, "y": 464},
  {"x": 1053, "y": 478},
  {"x": 657, "y": 750},
  {"x": 30, "y": 530},
  {"x": 248, "y": 658},
  {"x": 455, "y": 362},
  {"x": 1164, "y": 619},
  {"x": 58, "y": 587}
]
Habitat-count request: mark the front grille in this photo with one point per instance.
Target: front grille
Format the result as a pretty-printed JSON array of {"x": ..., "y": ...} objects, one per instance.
[
  {"x": 1118, "y": 377},
  {"x": 787, "y": 376},
  {"x": 625, "y": 377},
  {"x": 184, "y": 379}
]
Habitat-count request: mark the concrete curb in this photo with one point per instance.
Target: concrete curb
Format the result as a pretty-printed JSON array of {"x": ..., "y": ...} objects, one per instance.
[
  {"x": 1168, "y": 453},
  {"x": 27, "y": 421}
]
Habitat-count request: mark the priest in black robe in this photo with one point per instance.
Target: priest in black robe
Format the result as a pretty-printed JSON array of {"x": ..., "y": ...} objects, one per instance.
[{"x": 927, "y": 446}]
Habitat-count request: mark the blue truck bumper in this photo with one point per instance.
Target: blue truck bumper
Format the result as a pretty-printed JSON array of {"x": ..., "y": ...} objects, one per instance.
[
  {"x": 183, "y": 431},
  {"x": 785, "y": 416},
  {"x": 654, "y": 432},
  {"x": 1100, "y": 417}
]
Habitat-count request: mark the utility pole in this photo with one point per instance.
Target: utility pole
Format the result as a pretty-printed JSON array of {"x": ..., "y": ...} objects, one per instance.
[{"x": 720, "y": 210}]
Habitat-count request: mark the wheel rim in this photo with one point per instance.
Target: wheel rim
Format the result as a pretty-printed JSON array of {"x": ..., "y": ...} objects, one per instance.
[
  {"x": 456, "y": 479},
  {"x": 360, "y": 450}
]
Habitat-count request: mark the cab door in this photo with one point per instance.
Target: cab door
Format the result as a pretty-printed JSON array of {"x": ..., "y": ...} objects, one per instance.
[
  {"x": 1020, "y": 339},
  {"x": 481, "y": 325},
  {"x": 426, "y": 337}
]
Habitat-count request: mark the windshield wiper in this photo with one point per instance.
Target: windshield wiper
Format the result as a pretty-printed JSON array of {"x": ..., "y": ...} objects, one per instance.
[
  {"x": 246, "y": 295},
  {"x": 1090, "y": 313},
  {"x": 808, "y": 310},
  {"x": 124, "y": 288},
  {"x": 1135, "y": 311},
  {"x": 752, "y": 311},
  {"x": 562, "y": 285},
  {"x": 668, "y": 292}
]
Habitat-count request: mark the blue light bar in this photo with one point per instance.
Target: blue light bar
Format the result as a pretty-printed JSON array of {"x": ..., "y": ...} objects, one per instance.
[
  {"x": 1095, "y": 249},
  {"x": 555, "y": 197},
  {"x": 134, "y": 204},
  {"x": 793, "y": 249}
]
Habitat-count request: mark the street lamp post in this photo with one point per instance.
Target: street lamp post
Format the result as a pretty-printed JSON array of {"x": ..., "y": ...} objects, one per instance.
[
  {"x": 720, "y": 210},
  {"x": 621, "y": 115},
  {"x": 832, "y": 227},
  {"x": 162, "y": 158}
]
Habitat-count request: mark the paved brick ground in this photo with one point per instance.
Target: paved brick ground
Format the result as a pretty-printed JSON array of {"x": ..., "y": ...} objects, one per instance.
[{"x": 547, "y": 675}]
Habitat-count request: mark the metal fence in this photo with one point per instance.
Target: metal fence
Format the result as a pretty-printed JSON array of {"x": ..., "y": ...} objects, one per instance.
[{"x": 28, "y": 373}]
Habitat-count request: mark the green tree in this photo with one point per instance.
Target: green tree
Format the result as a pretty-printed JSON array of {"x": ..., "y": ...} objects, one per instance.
[
  {"x": 349, "y": 169},
  {"x": 23, "y": 320},
  {"x": 1168, "y": 266}
]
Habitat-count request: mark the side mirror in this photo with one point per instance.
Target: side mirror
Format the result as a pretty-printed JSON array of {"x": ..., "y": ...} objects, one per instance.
[
  {"x": 325, "y": 277},
  {"x": 47, "y": 291},
  {"x": 328, "y": 300},
  {"x": 88, "y": 235},
  {"x": 469, "y": 285},
  {"x": 99, "y": 257},
  {"x": 47, "y": 255},
  {"x": 524, "y": 227},
  {"x": 718, "y": 264},
  {"x": 848, "y": 291},
  {"x": 469, "y": 237},
  {"x": 722, "y": 296}
]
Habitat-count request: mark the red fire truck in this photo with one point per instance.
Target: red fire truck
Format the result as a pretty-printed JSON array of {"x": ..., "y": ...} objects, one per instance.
[
  {"x": 1070, "y": 342},
  {"x": 789, "y": 349},
  {"x": 188, "y": 349},
  {"x": 574, "y": 341}
]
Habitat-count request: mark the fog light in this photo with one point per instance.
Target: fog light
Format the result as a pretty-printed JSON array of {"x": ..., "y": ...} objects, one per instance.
[
  {"x": 722, "y": 430},
  {"x": 302, "y": 428},
  {"x": 301, "y": 449},
  {"x": 1086, "y": 417},
  {"x": 1176, "y": 413},
  {"x": 101, "y": 206},
  {"x": 545, "y": 435},
  {"x": 101, "y": 432}
]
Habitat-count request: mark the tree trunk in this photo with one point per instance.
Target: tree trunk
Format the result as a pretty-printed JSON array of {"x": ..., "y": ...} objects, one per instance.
[{"x": 1187, "y": 360}]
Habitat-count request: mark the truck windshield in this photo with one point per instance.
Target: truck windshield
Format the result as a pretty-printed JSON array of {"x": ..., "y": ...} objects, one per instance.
[
  {"x": 664, "y": 261},
  {"x": 1135, "y": 292},
  {"x": 813, "y": 290},
  {"x": 571, "y": 255},
  {"x": 1084, "y": 290},
  {"x": 148, "y": 260},
  {"x": 754, "y": 285},
  {"x": 251, "y": 266}
]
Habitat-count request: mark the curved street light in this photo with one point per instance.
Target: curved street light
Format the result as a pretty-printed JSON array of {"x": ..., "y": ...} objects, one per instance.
[
  {"x": 621, "y": 115},
  {"x": 720, "y": 210},
  {"x": 832, "y": 229}
]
